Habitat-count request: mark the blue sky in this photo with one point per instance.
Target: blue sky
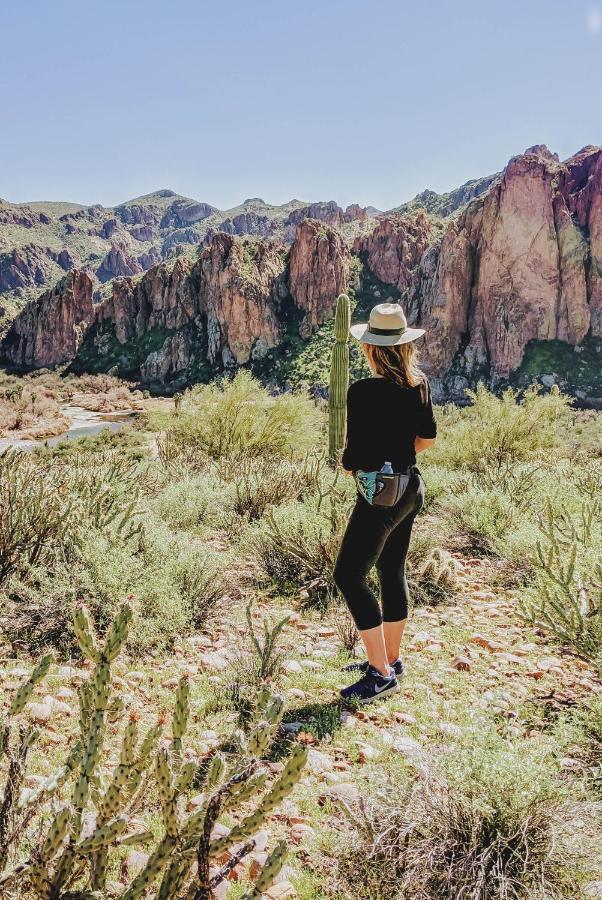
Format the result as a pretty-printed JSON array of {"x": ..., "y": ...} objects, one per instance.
[{"x": 220, "y": 100}]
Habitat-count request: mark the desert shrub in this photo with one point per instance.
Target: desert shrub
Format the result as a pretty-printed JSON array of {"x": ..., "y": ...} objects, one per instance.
[
  {"x": 437, "y": 483},
  {"x": 485, "y": 516},
  {"x": 239, "y": 418},
  {"x": 490, "y": 822},
  {"x": 566, "y": 596},
  {"x": 173, "y": 592},
  {"x": 127, "y": 442},
  {"x": 584, "y": 472},
  {"x": 499, "y": 432},
  {"x": 422, "y": 544},
  {"x": 31, "y": 409},
  {"x": 103, "y": 487},
  {"x": 347, "y": 631},
  {"x": 296, "y": 544},
  {"x": 520, "y": 482},
  {"x": 191, "y": 500},
  {"x": 264, "y": 483},
  {"x": 579, "y": 733},
  {"x": 97, "y": 384},
  {"x": 176, "y": 585},
  {"x": 35, "y": 607},
  {"x": 582, "y": 434}
]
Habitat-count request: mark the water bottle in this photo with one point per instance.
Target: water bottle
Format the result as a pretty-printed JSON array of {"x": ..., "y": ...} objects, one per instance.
[{"x": 387, "y": 469}]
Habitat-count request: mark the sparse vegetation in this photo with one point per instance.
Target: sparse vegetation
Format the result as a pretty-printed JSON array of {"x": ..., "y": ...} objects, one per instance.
[{"x": 221, "y": 520}]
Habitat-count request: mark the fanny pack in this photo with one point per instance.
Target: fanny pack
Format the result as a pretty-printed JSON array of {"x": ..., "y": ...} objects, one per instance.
[{"x": 382, "y": 488}]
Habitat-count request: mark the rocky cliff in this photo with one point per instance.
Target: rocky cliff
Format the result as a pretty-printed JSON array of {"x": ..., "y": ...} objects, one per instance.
[
  {"x": 508, "y": 286},
  {"x": 396, "y": 246},
  {"x": 520, "y": 265},
  {"x": 52, "y": 328},
  {"x": 185, "y": 320},
  {"x": 318, "y": 271}
]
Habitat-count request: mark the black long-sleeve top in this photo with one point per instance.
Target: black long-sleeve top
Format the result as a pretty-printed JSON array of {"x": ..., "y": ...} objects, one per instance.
[{"x": 383, "y": 420}]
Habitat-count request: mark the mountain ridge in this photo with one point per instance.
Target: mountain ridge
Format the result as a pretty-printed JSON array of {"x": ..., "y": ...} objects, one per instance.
[{"x": 509, "y": 278}]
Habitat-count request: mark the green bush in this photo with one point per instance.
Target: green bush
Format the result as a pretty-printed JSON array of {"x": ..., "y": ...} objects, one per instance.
[
  {"x": 176, "y": 585},
  {"x": 260, "y": 484},
  {"x": 485, "y": 516},
  {"x": 192, "y": 500},
  {"x": 297, "y": 543},
  {"x": 437, "y": 483},
  {"x": 498, "y": 432},
  {"x": 238, "y": 418},
  {"x": 35, "y": 515}
]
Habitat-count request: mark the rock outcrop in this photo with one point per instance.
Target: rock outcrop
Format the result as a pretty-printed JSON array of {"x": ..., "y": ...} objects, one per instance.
[
  {"x": 118, "y": 262},
  {"x": 318, "y": 271},
  {"x": 329, "y": 212},
  {"x": 226, "y": 303},
  {"x": 51, "y": 329},
  {"x": 185, "y": 212},
  {"x": 21, "y": 216},
  {"x": 238, "y": 291},
  {"x": 27, "y": 266},
  {"x": 514, "y": 267},
  {"x": 395, "y": 248},
  {"x": 248, "y": 223}
]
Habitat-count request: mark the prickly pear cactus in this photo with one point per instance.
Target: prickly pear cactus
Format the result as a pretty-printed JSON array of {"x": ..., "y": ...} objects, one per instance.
[{"x": 339, "y": 379}]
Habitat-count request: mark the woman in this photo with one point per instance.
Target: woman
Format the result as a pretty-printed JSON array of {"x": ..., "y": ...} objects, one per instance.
[{"x": 389, "y": 419}]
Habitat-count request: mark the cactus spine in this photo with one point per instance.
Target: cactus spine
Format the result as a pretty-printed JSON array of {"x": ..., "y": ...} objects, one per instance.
[{"x": 339, "y": 379}]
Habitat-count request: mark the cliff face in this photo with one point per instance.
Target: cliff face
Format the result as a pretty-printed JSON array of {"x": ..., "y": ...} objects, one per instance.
[
  {"x": 318, "y": 271},
  {"x": 518, "y": 267},
  {"x": 51, "y": 329},
  {"x": 395, "y": 248},
  {"x": 227, "y": 299},
  {"x": 129, "y": 239}
]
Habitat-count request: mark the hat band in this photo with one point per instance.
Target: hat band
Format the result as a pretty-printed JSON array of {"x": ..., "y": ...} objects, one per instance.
[{"x": 373, "y": 330}]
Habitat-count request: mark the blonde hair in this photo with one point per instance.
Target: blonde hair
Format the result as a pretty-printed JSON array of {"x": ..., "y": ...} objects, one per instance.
[{"x": 399, "y": 363}]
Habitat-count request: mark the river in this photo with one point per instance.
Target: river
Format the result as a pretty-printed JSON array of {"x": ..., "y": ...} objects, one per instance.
[{"x": 82, "y": 422}]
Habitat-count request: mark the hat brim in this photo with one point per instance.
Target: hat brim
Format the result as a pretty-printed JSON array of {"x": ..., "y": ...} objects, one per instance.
[{"x": 363, "y": 334}]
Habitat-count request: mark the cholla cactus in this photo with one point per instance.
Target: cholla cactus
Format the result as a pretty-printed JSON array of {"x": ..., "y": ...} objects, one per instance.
[
  {"x": 68, "y": 864},
  {"x": 339, "y": 379},
  {"x": 566, "y": 599},
  {"x": 15, "y": 743}
]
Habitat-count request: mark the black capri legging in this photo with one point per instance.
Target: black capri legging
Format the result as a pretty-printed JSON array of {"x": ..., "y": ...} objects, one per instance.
[{"x": 378, "y": 535}]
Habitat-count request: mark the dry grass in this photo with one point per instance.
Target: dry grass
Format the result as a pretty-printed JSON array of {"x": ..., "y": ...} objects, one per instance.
[{"x": 29, "y": 411}]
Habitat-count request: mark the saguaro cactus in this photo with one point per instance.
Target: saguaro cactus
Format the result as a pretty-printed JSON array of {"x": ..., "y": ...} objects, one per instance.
[{"x": 339, "y": 379}]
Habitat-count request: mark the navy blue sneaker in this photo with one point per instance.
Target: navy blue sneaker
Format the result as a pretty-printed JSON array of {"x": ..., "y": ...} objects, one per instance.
[
  {"x": 397, "y": 666},
  {"x": 371, "y": 686}
]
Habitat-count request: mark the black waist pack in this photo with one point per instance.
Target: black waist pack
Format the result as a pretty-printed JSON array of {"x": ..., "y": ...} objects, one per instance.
[{"x": 380, "y": 488}]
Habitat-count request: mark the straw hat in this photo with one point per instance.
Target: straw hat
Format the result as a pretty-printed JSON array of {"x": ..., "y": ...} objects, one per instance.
[{"x": 387, "y": 327}]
